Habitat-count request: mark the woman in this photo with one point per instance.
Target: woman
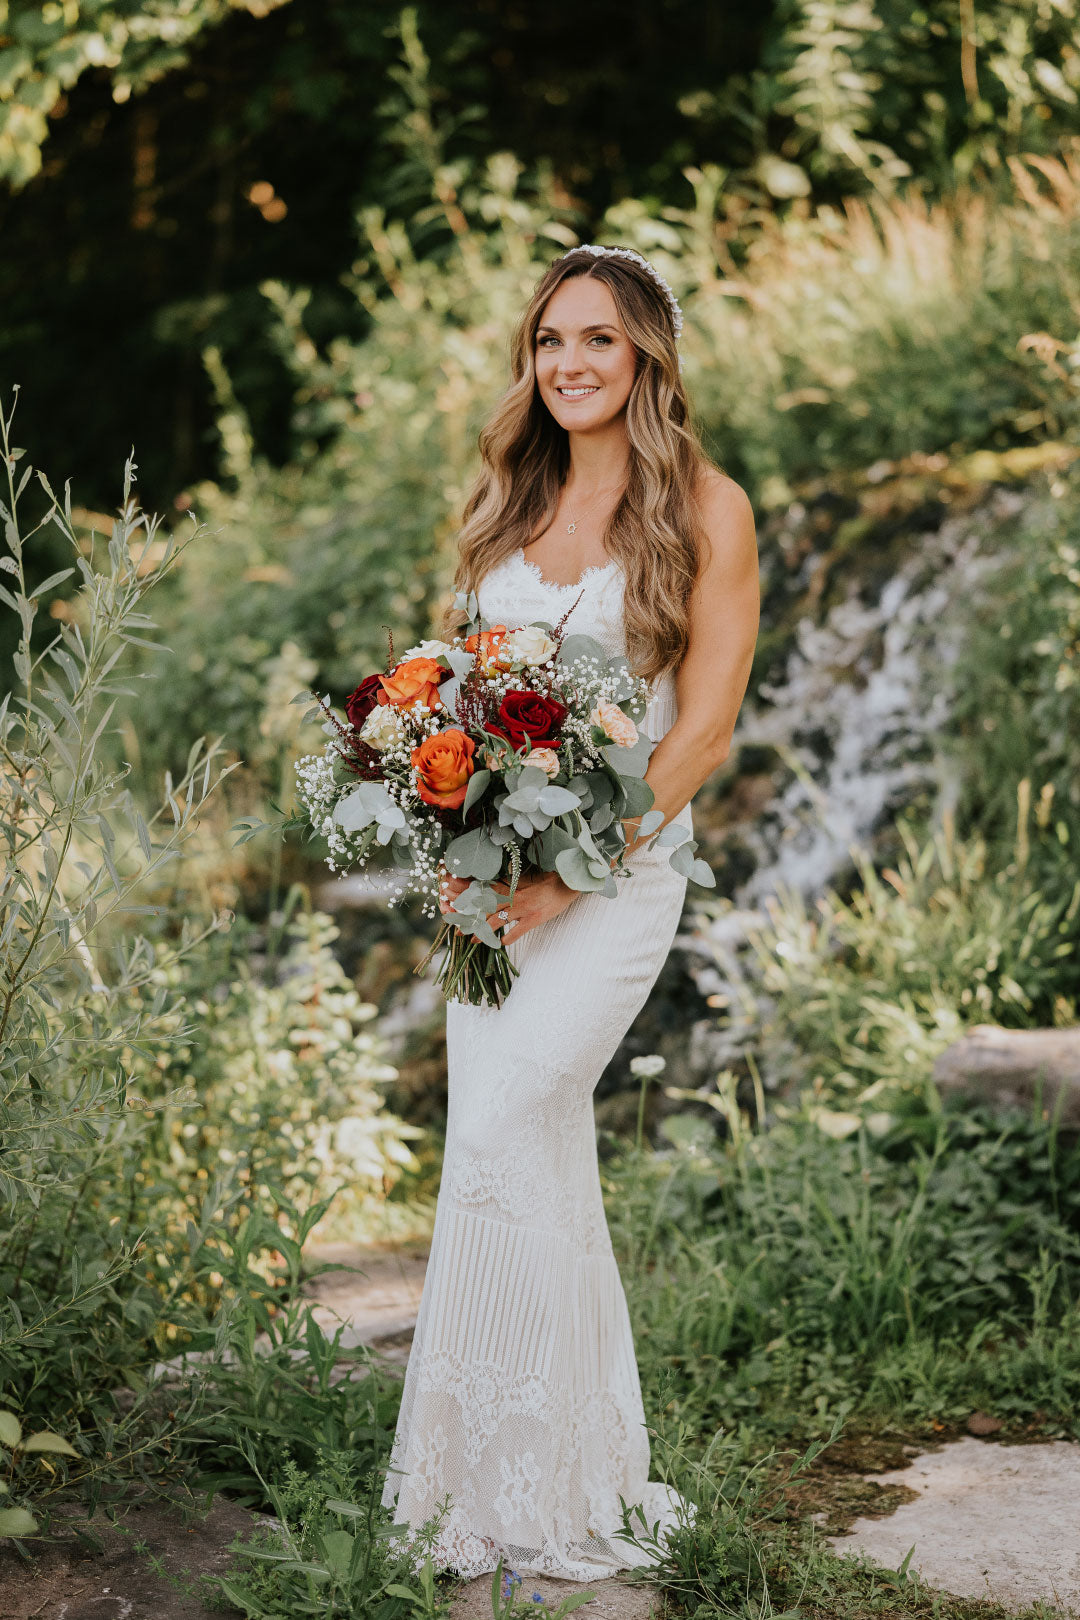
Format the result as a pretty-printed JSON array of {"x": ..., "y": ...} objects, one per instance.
[{"x": 522, "y": 1401}]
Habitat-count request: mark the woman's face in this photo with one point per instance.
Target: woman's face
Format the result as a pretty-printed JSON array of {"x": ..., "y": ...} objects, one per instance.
[{"x": 585, "y": 363}]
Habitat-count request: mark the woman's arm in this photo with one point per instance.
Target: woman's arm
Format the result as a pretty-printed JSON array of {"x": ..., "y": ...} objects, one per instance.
[{"x": 711, "y": 681}]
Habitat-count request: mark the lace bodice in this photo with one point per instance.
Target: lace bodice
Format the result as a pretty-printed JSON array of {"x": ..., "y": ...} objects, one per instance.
[{"x": 515, "y": 592}]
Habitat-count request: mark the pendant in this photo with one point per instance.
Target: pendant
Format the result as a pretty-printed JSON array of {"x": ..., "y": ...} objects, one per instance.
[{"x": 570, "y": 528}]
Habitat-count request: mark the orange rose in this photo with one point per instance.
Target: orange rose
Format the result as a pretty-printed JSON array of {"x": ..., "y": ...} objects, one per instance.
[
  {"x": 488, "y": 642},
  {"x": 444, "y": 763},
  {"x": 414, "y": 680}
]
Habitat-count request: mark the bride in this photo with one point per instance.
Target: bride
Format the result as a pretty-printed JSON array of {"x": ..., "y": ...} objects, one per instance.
[{"x": 522, "y": 1402}]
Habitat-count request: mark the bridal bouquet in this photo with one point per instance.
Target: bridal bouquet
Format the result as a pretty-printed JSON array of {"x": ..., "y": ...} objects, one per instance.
[{"x": 501, "y": 752}]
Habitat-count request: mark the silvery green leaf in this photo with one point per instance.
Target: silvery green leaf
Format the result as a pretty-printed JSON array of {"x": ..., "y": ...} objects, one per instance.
[
  {"x": 581, "y": 646},
  {"x": 702, "y": 873},
  {"x": 556, "y": 801},
  {"x": 473, "y": 854},
  {"x": 601, "y": 818},
  {"x": 477, "y": 900},
  {"x": 523, "y": 826},
  {"x": 502, "y": 834},
  {"x": 532, "y": 777},
  {"x": 630, "y": 761},
  {"x": 650, "y": 821},
  {"x": 482, "y": 930},
  {"x": 682, "y": 859},
  {"x": 572, "y": 866},
  {"x": 552, "y": 840},
  {"x": 478, "y": 782},
  {"x": 352, "y": 813},
  {"x": 674, "y": 834},
  {"x": 637, "y": 797},
  {"x": 449, "y": 691},
  {"x": 525, "y": 798},
  {"x": 600, "y": 869},
  {"x": 584, "y": 787},
  {"x": 600, "y": 786},
  {"x": 460, "y": 662}
]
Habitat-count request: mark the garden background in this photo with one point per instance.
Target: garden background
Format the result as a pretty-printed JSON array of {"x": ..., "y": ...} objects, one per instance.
[{"x": 259, "y": 267}]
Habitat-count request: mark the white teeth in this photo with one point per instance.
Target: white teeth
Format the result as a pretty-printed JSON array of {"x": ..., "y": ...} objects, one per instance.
[{"x": 575, "y": 393}]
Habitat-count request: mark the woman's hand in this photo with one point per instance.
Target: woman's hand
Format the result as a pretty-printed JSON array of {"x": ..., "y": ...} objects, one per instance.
[{"x": 537, "y": 899}]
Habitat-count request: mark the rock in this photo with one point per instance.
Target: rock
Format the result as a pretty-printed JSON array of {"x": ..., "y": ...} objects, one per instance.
[
  {"x": 989, "y": 1521},
  {"x": 980, "y": 1423},
  {"x": 1009, "y": 1066},
  {"x": 612, "y": 1598}
]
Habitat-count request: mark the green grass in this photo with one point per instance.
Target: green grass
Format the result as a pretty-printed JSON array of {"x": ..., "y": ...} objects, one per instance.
[{"x": 803, "y": 1307}]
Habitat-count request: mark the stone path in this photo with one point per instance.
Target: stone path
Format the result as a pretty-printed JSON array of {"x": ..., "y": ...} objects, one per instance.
[{"x": 989, "y": 1520}]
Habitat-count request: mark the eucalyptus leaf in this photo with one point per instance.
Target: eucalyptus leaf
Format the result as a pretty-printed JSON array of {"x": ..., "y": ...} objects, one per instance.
[
  {"x": 682, "y": 859},
  {"x": 638, "y": 797},
  {"x": 575, "y": 869},
  {"x": 582, "y": 646},
  {"x": 701, "y": 872},
  {"x": 478, "y": 782},
  {"x": 673, "y": 834},
  {"x": 556, "y": 801},
  {"x": 474, "y": 854},
  {"x": 630, "y": 761}
]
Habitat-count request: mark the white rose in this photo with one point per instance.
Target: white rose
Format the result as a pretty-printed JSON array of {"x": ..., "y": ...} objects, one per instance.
[
  {"x": 427, "y": 649},
  {"x": 529, "y": 645},
  {"x": 382, "y": 727}
]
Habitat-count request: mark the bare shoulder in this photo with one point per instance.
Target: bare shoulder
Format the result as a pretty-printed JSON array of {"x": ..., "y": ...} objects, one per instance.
[{"x": 727, "y": 521}]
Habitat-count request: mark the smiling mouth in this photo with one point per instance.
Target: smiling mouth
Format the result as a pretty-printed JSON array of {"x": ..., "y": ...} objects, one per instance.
[{"x": 576, "y": 393}]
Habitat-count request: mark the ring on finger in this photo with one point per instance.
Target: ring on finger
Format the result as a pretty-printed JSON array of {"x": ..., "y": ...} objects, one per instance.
[{"x": 504, "y": 916}]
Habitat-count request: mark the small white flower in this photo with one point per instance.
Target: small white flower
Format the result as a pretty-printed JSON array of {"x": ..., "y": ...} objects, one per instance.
[{"x": 647, "y": 1068}]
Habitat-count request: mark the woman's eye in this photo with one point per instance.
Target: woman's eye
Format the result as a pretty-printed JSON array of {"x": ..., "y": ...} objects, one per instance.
[
  {"x": 600, "y": 337},
  {"x": 544, "y": 341}
]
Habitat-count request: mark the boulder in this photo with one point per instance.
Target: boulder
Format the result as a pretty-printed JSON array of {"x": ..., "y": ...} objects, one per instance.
[{"x": 1012, "y": 1066}]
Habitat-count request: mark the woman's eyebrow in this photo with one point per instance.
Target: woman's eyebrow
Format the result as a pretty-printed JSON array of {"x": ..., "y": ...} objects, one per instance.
[{"x": 598, "y": 326}]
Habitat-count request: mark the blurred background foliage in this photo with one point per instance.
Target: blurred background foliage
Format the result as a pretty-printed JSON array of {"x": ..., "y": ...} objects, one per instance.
[{"x": 280, "y": 247}]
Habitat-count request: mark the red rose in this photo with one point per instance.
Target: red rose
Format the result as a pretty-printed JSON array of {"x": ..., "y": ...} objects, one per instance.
[
  {"x": 359, "y": 704},
  {"x": 527, "y": 714}
]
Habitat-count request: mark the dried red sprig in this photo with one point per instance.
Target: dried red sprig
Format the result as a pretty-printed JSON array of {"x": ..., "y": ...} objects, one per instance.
[{"x": 357, "y": 755}]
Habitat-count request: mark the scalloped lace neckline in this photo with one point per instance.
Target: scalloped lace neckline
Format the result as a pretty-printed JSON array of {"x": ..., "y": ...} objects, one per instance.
[{"x": 553, "y": 584}]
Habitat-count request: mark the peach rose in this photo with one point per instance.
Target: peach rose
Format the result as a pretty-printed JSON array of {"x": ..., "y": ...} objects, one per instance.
[
  {"x": 414, "y": 680},
  {"x": 618, "y": 725},
  {"x": 487, "y": 643},
  {"x": 444, "y": 763},
  {"x": 546, "y": 758}
]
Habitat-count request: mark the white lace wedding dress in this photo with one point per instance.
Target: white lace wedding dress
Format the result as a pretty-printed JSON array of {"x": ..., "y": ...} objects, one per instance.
[{"x": 521, "y": 1398}]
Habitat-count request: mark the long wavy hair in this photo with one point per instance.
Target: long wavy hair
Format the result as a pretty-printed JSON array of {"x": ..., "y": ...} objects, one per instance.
[{"x": 654, "y": 531}]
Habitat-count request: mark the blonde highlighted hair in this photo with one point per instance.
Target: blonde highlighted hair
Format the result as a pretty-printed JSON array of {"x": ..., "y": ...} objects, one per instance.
[{"x": 654, "y": 531}]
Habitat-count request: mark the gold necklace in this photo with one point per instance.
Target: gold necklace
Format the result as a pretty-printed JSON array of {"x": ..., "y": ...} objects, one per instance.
[{"x": 571, "y": 527}]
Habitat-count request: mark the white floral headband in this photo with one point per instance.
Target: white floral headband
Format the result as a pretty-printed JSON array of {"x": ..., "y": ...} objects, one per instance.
[{"x": 650, "y": 270}]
